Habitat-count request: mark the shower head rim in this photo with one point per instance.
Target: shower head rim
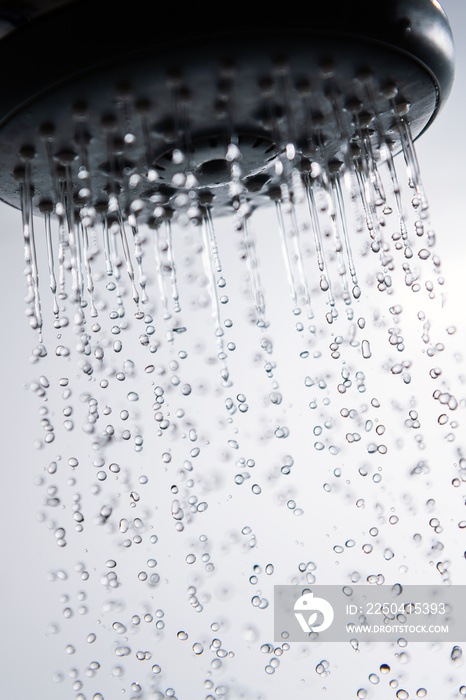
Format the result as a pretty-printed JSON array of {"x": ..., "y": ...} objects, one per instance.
[
  {"x": 226, "y": 45},
  {"x": 437, "y": 59}
]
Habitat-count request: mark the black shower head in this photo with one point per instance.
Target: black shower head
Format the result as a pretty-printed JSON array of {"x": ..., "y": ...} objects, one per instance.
[{"x": 146, "y": 101}]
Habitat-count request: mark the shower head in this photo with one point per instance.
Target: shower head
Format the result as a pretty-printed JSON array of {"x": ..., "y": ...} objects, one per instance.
[
  {"x": 134, "y": 119},
  {"x": 149, "y": 105}
]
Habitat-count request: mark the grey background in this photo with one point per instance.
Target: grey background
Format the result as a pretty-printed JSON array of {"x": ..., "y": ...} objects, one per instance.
[{"x": 28, "y": 600}]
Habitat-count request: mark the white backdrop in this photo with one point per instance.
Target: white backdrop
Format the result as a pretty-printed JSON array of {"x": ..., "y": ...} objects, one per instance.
[{"x": 30, "y": 655}]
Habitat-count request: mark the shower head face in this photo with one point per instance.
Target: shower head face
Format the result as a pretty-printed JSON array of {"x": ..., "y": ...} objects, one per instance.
[{"x": 156, "y": 121}]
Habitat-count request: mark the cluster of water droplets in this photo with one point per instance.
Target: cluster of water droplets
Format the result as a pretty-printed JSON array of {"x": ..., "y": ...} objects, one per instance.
[{"x": 229, "y": 403}]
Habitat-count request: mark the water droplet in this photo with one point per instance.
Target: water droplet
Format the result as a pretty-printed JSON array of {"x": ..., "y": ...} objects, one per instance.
[
  {"x": 402, "y": 694},
  {"x": 122, "y": 651},
  {"x": 366, "y": 349}
]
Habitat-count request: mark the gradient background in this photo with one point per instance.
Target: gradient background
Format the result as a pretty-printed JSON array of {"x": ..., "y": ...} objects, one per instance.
[{"x": 29, "y": 601}]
